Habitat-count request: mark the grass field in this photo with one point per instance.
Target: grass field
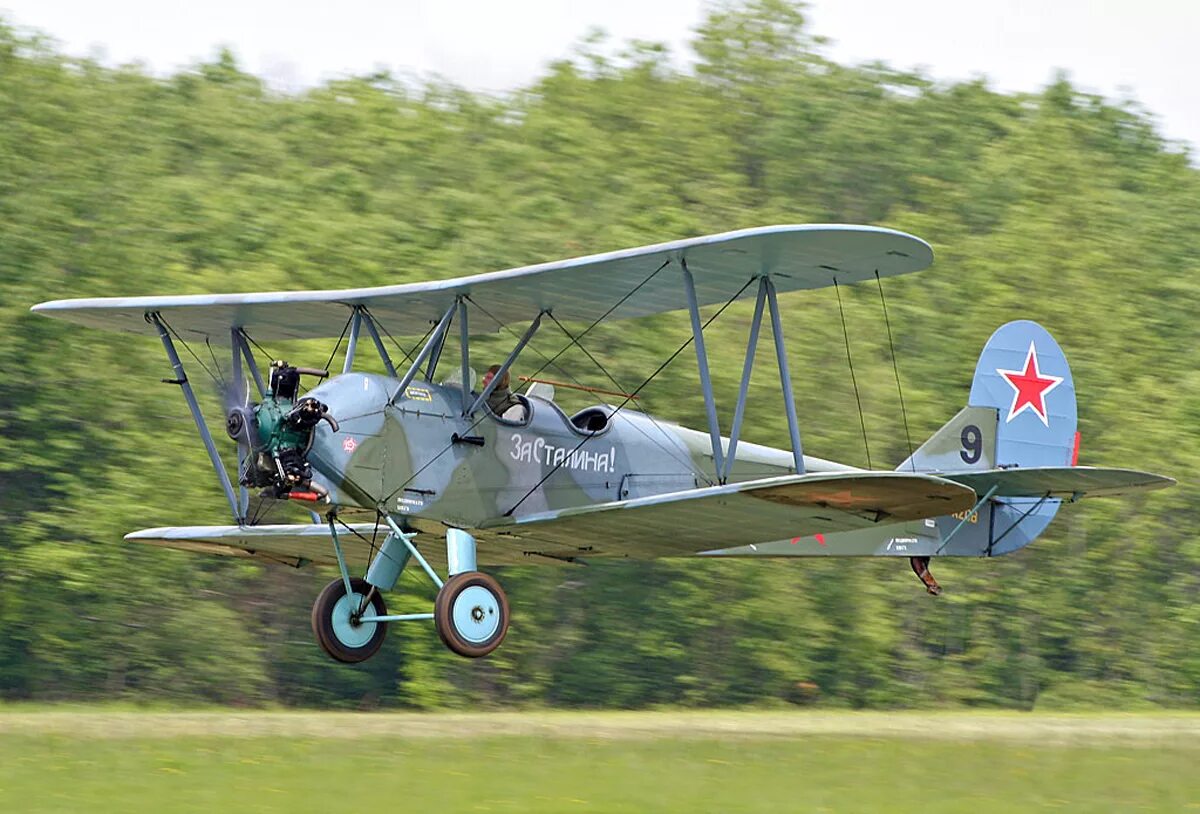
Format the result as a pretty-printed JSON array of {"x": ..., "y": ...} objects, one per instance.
[{"x": 79, "y": 760}]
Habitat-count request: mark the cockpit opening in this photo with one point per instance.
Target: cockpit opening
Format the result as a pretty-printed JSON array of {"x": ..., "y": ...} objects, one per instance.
[{"x": 593, "y": 419}]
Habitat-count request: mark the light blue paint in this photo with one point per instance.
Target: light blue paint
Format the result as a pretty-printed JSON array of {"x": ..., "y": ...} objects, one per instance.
[
  {"x": 476, "y": 614},
  {"x": 383, "y": 354},
  {"x": 434, "y": 343},
  {"x": 348, "y": 633},
  {"x": 406, "y": 537},
  {"x": 386, "y": 568},
  {"x": 710, "y": 403},
  {"x": 352, "y": 341},
  {"x": 739, "y": 411},
  {"x": 341, "y": 559},
  {"x": 969, "y": 517},
  {"x": 1023, "y": 438},
  {"x": 464, "y": 338},
  {"x": 397, "y": 617},
  {"x": 785, "y": 378},
  {"x": 460, "y": 552}
]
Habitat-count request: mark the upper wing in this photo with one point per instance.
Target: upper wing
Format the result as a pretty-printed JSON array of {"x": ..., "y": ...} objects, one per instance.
[
  {"x": 584, "y": 288},
  {"x": 1067, "y": 482},
  {"x": 737, "y": 514}
]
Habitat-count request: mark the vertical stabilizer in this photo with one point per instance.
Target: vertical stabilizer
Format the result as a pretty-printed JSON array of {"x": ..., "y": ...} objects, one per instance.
[
  {"x": 1023, "y": 374},
  {"x": 1020, "y": 413}
]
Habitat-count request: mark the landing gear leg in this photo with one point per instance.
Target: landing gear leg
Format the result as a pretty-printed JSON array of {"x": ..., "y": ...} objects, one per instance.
[
  {"x": 920, "y": 567},
  {"x": 470, "y": 613},
  {"x": 471, "y": 610}
]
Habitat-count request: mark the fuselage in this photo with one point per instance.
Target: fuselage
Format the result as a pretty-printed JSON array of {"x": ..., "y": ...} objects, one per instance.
[{"x": 416, "y": 453}]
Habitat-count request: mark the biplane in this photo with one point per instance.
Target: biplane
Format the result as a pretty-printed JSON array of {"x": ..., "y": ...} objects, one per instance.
[{"x": 415, "y": 468}]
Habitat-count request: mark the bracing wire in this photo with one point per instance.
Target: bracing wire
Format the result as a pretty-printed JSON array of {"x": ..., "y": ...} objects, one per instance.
[
  {"x": 188, "y": 348},
  {"x": 547, "y": 364},
  {"x": 548, "y": 361},
  {"x": 630, "y": 397},
  {"x": 257, "y": 346},
  {"x": 338, "y": 344},
  {"x": 687, "y": 462},
  {"x": 666, "y": 450},
  {"x": 216, "y": 364},
  {"x": 862, "y": 420},
  {"x": 896, "y": 369},
  {"x": 408, "y": 355}
]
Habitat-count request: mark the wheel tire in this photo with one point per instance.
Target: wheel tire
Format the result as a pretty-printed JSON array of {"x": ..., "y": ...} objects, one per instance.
[
  {"x": 342, "y": 639},
  {"x": 471, "y": 614}
]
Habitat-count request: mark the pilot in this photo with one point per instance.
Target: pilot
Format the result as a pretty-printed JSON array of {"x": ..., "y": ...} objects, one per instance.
[{"x": 501, "y": 400}]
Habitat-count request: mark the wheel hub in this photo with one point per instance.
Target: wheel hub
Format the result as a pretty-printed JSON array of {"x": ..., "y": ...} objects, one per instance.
[
  {"x": 347, "y": 622},
  {"x": 476, "y": 614}
]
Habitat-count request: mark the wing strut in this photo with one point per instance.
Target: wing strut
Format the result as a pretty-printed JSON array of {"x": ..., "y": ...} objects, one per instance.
[
  {"x": 352, "y": 341},
  {"x": 464, "y": 334},
  {"x": 710, "y": 402},
  {"x": 383, "y": 354},
  {"x": 508, "y": 362},
  {"x": 239, "y": 394},
  {"x": 739, "y": 411},
  {"x": 785, "y": 377},
  {"x": 239, "y": 342},
  {"x": 766, "y": 296},
  {"x": 198, "y": 417},
  {"x": 433, "y": 344}
]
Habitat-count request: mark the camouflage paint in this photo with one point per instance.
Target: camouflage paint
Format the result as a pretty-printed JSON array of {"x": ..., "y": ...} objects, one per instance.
[{"x": 398, "y": 455}]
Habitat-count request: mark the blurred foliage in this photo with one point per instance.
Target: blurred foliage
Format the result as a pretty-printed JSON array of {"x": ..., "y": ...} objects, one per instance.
[{"x": 1057, "y": 206}]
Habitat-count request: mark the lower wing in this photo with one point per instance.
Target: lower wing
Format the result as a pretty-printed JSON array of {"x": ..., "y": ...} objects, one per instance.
[
  {"x": 682, "y": 523},
  {"x": 667, "y": 525}
]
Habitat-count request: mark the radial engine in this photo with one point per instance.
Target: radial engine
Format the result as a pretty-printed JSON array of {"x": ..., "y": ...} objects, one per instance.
[{"x": 275, "y": 436}]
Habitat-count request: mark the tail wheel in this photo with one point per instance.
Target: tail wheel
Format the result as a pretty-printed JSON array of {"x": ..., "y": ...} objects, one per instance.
[
  {"x": 336, "y": 624},
  {"x": 471, "y": 614}
]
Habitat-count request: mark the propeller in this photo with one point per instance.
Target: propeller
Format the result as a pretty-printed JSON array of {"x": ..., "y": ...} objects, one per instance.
[{"x": 239, "y": 419}]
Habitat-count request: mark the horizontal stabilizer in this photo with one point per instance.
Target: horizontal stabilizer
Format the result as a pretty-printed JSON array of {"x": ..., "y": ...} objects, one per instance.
[{"x": 1065, "y": 482}]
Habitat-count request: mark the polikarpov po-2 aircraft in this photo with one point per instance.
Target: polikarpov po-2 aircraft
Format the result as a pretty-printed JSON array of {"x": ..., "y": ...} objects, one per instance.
[{"x": 409, "y": 458}]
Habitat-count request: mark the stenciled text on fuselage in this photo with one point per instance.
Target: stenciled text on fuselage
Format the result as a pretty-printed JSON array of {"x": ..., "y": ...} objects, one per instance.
[{"x": 583, "y": 460}]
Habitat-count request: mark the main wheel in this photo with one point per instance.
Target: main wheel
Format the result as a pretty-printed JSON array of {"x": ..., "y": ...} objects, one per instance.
[
  {"x": 471, "y": 614},
  {"x": 335, "y": 621}
]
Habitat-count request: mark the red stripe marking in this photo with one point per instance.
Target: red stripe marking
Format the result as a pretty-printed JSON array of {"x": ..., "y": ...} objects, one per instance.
[{"x": 1075, "y": 451}]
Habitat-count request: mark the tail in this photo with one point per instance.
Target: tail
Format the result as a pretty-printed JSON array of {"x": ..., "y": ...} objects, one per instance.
[{"x": 1020, "y": 414}]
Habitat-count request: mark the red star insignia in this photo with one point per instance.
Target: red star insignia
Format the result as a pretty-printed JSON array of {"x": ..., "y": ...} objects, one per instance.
[
  {"x": 1030, "y": 387},
  {"x": 349, "y": 444}
]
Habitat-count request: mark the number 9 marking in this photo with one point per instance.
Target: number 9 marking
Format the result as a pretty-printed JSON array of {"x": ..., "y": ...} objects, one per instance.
[{"x": 972, "y": 444}]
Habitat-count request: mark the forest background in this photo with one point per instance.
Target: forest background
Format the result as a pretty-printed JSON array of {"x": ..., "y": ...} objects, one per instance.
[{"x": 1057, "y": 206}]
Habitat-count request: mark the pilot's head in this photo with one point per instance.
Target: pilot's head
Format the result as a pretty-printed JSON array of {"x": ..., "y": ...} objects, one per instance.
[{"x": 491, "y": 374}]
